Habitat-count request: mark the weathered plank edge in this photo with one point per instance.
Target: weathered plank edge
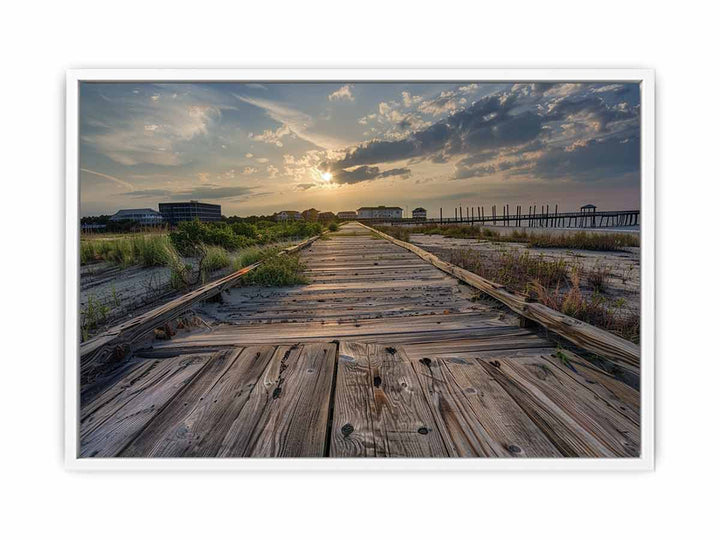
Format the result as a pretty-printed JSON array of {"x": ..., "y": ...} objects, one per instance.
[
  {"x": 581, "y": 334},
  {"x": 102, "y": 347}
]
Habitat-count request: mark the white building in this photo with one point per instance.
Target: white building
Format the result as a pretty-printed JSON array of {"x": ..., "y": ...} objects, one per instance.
[
  {"x": 382, "y": 212},
  {"x": 419, "y": 213},
  {"x": 143, "y": 216},
  {"x": 348, "y": 214},
  {"x": 286, "y": 215}
]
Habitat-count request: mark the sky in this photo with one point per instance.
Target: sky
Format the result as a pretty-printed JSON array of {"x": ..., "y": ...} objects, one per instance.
[{"x": 257, "y": 149}]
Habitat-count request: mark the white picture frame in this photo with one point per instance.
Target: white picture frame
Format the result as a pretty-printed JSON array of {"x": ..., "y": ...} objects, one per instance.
[{"x": 644, "y": 77}]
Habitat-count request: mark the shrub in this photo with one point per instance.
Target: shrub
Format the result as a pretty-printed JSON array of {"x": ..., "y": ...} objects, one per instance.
[
  {"x": 279, "y": 270},
  {"x": 215, "y": 259},
  {"x": 333, "y": 226}
]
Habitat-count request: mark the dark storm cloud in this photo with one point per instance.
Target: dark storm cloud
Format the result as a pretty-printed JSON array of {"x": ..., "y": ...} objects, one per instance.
[
  {"x": 527, "y": 127},
  {"x": 485, "y": 124},
  {"x": 364, "y": 173},
  {"x": 595, "y": 160},
  {"x": 592, "y": 105}
]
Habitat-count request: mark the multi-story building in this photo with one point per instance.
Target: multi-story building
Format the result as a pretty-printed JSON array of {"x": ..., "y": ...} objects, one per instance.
[
  {"x": 174, "y": 213},
  {"x": 326, "y": 216},
  {"x": 310, "y": 214},
  {"x": 382, "y": 212},
  {"x": 142, "y": 216},
  {"x": 285, "y": 215},
  {"x": 419, "y": 213},
  {"x": 347, "y": 214}
]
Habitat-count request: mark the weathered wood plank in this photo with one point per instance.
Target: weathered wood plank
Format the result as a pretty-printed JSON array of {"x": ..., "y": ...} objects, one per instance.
[
  {"x": 617, "y": 394},
  {"x": 195, "y": 423},
  {"x": 475, "y": 415},
  {"x": 569, "y": 437},
  {"x": 109, "y": 426},
  {"x": 596, "y": 416},
  {"x": 401, "y": 422},
  {"x": 286, "y": 415}
]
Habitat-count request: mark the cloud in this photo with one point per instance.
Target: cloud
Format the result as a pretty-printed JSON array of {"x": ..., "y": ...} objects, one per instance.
[
  {"x": 111, "y": 178},
  {"x": 303, "y": 187},
  {"x": 297, "y": 122},
  {"x": 145, "y": 193},
  {"x": 344, "y": 92},
  {"x": 151, "y": 132},
  {"x": 485, "y": 124},
  {"x": 591, "y": 160},
  {"x": 270, "y": 136},
  {"x": 365, "y": 173},
  {"x": 511, "y": 132}
]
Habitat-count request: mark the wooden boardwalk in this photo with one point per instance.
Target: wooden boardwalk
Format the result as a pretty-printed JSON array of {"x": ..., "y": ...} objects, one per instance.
[{"x": 380, "y": 355}]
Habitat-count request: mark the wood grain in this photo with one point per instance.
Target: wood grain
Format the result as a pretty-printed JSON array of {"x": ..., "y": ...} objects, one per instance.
[
  {"x": 286, "y": 415},
  {"x": 400, "y": 420},
  {"x": 476, "y": 415}
]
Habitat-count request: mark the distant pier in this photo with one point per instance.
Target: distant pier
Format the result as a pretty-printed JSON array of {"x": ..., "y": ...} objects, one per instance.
[{"x": 587, "y": 217}]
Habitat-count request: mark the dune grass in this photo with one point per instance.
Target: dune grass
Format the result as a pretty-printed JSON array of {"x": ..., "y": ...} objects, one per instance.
[
  {"x": 278, "y": 270},
  {"x": 534, "y": 239},
  {"x": 142, "y": 249}
]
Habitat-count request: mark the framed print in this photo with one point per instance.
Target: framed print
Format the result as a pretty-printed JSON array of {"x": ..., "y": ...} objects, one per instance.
[{"x": 360, "y": 269}]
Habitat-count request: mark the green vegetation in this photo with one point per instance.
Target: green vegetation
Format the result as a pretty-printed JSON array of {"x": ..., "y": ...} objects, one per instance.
[
  {"x": 146, "y": 250},
  {"x": 215, "y": 258},
  {"x": 555, "y": 283},
  {"x": 533, "y": 239},
  {"x": 594, "y": 309},
  {"x": 513, "y": 269},
  {"x": 278, "y": 270},
  {"x": 94, "y": 314},
  {"x": 333, "y": 226}
]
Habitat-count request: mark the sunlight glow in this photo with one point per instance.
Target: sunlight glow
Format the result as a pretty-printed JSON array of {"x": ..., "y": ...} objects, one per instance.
[{"x": 326, "y": 176}]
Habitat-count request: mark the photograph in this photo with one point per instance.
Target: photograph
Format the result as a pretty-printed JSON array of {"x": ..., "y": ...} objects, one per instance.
[{"x": 432, "y": 268}]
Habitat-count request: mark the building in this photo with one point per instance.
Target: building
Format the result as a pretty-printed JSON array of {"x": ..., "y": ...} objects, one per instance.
[
  {"x": 142, "y": 216},
  {"x": 380, "y": 212},
  {"x": 286, "y": 215},
  {"x": 174, "y": 213},
  {"x": 419, "y": 213},
  {"x": 326, "y": 216},
  {"x": 310, "y": 215},
  {"x": 588, "y": 208},
  {"x": 347, "y": 214}
]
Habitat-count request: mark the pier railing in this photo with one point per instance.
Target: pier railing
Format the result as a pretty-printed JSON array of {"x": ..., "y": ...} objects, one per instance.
[{"x": 617, "y": 218}]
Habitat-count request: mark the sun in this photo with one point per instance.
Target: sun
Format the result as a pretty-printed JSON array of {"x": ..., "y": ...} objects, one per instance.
[{"x": 327, "y": 176}]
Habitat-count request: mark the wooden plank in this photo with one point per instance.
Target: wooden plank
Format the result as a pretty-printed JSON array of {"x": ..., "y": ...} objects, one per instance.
[
  {"x": 114, "y": 418},
  {"x": 588, "y": 410},
  {"x": 582, "y": 334},
  {"x": 475, "y": 415},
  {"x": 287, "y": 415},
  {"x": 569, "y": 437},
  {"x": 195, "y": 423},
  {"x": 395, "y": 411},
  {"x": 617, "y": 394},
  {"x": 352, "y": 433}
]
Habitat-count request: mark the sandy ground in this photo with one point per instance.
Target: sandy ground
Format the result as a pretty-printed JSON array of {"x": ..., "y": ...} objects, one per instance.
[
  {"x": 125, "y": 291},
  {"x": 623, "y": 266}
]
